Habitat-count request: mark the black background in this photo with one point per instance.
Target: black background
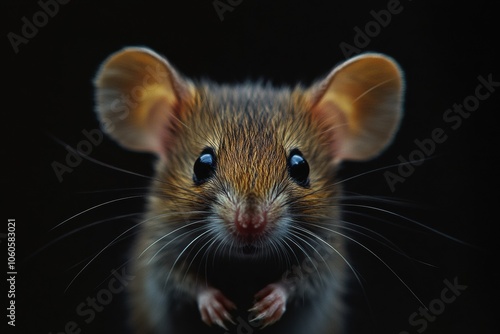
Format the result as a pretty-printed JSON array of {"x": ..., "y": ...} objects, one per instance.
[{"x": 48, "y": 97}]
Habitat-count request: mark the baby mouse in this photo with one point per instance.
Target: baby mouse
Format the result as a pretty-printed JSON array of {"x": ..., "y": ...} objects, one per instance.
[{"x": 242, "y": 232}]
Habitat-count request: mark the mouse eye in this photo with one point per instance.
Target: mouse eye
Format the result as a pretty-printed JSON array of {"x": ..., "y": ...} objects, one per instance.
[
  {"x": 204, "y": 166},
  {"x": 298, "y": 168}
]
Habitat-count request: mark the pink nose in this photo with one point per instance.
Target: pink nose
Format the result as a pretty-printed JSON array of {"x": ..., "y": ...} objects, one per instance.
[{"x": 250, "y": 224}]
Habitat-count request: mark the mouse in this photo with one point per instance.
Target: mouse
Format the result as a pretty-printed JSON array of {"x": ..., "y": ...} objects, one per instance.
[{"x": 242, "y": 231}]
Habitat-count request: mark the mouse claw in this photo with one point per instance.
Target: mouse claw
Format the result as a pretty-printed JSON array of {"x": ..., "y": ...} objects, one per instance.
[
  {"x": 270, "y": 305},
  {"x": 214, "y": 307}
]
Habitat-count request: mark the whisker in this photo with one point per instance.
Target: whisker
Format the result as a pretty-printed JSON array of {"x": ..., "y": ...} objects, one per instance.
[
  {"x": 210, "y": 241},
  {"x": 222, "y": 243},
  {"x": 370, "y": 89},
  {"x": 376, "y": 256},
  {"x": 95, "y": 207},
  {"x": 305, "y": 253},
  {"x": 166, "y": 235},
  {"x": 180, "y": 255},
  {"x": 207, "y": 255},
  {"x": 333, "y": 127},
  {"x": 349, "y": 195},
  {"x": 379, "y": 169},
  {"x": 172, "y": 240},
  {"x": 388, "y": 243},
  {"x": 79, "y": 230},
  {"x": 386, "y": 222},
  {"x": 112, "y": 190},
  {"x": 292, "y": 252},
  {"x": 103, "y": 164},
  {"x": 413, "y": 222},
  {"x": 106, "y": 247},
  {"x": 351, "y": 267},
  {"x": 313, "y": 248},
  {"x": 98, "y": 162}
]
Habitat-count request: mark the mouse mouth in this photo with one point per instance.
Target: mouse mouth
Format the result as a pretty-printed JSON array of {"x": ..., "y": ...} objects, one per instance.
[
  {"x": 252, "y": 243},
  {"x": 249, "y": 241},
  {"x": 248, "y": 246}
]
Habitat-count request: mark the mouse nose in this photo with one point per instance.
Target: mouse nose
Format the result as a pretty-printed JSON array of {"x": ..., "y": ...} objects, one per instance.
[{"x": 250, "y": 222}]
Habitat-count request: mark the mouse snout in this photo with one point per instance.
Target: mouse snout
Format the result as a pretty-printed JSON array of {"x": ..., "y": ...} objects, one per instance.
[
  {"x": 250, "y": 222},
  {"x": 250, "y": 217}
]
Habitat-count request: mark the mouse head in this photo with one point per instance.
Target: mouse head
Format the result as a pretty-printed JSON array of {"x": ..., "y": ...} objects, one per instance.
[{"x": 248, "y": 164}]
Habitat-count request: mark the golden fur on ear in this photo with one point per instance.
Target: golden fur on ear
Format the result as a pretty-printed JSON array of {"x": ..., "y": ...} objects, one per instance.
[
  {"x": 138, "y": 94},
  {"x": 361, "y": 103}
]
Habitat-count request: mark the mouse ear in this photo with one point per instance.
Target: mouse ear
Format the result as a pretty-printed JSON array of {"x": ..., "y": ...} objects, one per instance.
[
  {"x": 139, "y": 97},
  {"x": 360, "y": 103}
]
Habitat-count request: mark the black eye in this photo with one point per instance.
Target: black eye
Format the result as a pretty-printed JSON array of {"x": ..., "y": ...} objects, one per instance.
[
  {"x": 204, "y": 166},
  {"x": 298, "y": 168}
]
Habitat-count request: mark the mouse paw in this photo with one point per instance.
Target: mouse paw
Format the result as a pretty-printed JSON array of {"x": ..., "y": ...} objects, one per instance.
[
  {"x": 270, "y": 305},
  {"x": 215, "y": 307}
]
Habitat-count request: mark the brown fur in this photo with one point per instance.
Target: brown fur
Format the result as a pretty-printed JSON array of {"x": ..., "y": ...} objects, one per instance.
[{"x": 188, "y": 240}]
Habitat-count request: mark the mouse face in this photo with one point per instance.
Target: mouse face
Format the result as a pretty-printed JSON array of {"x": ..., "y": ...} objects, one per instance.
[
  {"x": 244, "y": 172},
  {"x": 254, "y": 162}
]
